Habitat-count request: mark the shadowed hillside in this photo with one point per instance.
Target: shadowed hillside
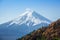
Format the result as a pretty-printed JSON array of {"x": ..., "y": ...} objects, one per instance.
[{"x": 52, "y": 32}]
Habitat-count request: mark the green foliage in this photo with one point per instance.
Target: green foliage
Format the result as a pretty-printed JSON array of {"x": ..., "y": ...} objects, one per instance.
[
  {"x": 38, "y": 39},
  {"x": 42, "y": 38},
  {"x": 56, "y": 38}
]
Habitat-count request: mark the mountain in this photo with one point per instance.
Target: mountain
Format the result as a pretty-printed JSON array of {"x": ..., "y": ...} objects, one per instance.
[
  {"x": 22, "y": 25},
  {"x": 52, "y": 32}
]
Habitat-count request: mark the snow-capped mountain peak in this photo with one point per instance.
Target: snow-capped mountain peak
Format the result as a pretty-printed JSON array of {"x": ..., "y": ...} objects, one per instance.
[
  {"x": 28, "y": 12},
  {"x": 23, "y": 24},
  {"x": 28, "y": 19}
]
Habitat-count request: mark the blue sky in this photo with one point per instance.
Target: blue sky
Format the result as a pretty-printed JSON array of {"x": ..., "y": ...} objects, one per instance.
[{"x": 9, "y": 9}]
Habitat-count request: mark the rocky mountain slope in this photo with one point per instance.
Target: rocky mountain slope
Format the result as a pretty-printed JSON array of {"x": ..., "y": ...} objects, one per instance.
[{"x": 52, "y": 32}]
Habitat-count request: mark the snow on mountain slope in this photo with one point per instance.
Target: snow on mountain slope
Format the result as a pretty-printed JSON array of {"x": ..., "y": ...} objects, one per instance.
[
  {"x": 22, "y": 25},
  {"x": 28, "y": 18}
]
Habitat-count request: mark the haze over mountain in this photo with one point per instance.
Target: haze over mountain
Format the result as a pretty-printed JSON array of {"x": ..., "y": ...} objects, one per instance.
[{"x": 22, "y": 25}]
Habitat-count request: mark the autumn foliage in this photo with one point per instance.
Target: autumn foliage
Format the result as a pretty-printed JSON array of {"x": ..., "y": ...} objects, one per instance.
[{"x": 52, "y": 32}]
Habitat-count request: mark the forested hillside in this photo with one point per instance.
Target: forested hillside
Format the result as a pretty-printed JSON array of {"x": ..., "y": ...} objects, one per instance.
[{"x": 52, "y": 32}]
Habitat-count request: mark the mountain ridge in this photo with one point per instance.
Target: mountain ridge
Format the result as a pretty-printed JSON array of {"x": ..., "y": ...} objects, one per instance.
[
  {"x": 23, "y": 25},
  {"x": 30, "y": 16},
  {"x": 52, "y": 32}
]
